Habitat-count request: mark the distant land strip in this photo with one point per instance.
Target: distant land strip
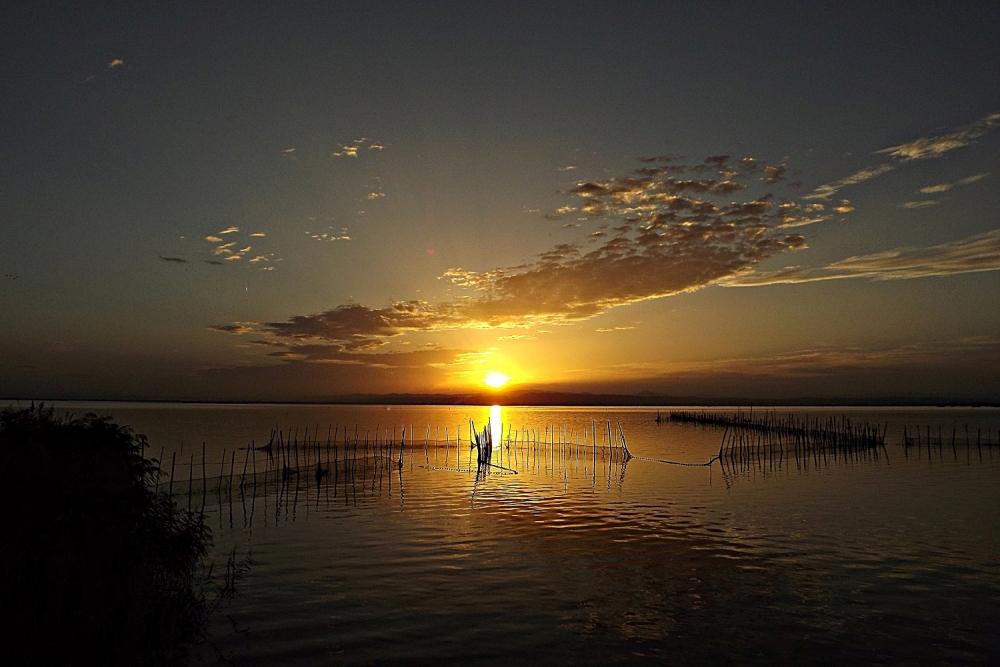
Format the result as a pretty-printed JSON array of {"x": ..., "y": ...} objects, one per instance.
[{"x": 533, "y": 398}]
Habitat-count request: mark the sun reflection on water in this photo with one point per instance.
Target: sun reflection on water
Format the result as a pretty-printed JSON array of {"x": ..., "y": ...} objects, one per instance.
[{"x": 496, "y": 424}]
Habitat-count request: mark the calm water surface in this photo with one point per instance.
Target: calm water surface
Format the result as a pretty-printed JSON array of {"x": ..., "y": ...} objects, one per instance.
[{"x": 578, "y": 559}]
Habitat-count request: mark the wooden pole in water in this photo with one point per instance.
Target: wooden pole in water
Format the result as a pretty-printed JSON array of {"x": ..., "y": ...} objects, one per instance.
[
  {"x": 593, "y": 423},
  {"x": 170, "y": 489},
  {"x": 267, "y": 469},
  {"x": 305, "y": 452},
  {"x": 508, "y": 446},
  {"x": 328, "y": 443},
  {"x": 246, "y": 462},
  {"x": 402, "y": 444},
  {"x": 611, "y": 453},
  {"x": 222, "y": 469},
  {"x": 296, "y": 445},
  {"x": 204, "y": 479},
  {"x": 626, "y": 454}
]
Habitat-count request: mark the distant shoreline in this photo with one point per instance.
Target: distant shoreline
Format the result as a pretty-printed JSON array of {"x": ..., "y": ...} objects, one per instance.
[{"x": 551, "y": 399}]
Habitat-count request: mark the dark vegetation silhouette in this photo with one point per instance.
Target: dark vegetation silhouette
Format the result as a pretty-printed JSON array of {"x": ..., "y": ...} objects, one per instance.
[{"x": 96, "y": 567}]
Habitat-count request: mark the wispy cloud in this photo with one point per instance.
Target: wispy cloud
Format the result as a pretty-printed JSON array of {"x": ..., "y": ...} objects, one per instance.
[
  {"x": 351, "y": 149},
  {"x": 265, "y": 343},
  {"x": 117, "y": 62},
  {"x": 231, "y": 252},
  {"x": 922, "y": 203},
  {"x": 973, "y": 254},
  {"x": 940, "y": 188},
  {"x": 235, "y": 328},
  {"x": 175, "y": 260},
  {"x": 331, "y": 235},
  {"x": 945, "y": 187},
  {"x": 937, "y": 145},
  {"x": 829, "y": 189},
  {"x": 918, "y": 149}
]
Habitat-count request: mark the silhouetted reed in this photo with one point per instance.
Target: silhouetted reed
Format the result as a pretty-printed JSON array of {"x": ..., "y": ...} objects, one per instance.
[{"x": 97, "y": 567}]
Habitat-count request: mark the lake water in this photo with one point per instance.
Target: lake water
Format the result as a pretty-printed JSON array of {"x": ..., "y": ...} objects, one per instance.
[{"x": 883, "y": 557}]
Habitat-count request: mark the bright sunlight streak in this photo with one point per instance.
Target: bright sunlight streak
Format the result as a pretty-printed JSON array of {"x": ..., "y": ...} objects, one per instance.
[{"x": 495, "y": 379}]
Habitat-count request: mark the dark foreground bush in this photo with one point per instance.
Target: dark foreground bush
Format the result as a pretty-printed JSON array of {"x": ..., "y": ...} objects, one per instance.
[{"x": 95, "y": 567}]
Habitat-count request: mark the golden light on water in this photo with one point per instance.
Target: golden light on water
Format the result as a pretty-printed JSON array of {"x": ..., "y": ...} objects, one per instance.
[{"x": 495, "y": 379}]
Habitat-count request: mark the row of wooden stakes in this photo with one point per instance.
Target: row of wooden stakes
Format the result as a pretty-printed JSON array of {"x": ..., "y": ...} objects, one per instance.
[{"x": 287, "y": 455}]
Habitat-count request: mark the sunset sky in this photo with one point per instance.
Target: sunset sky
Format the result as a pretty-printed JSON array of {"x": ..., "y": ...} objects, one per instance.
[{"x": 290, "y": 201}]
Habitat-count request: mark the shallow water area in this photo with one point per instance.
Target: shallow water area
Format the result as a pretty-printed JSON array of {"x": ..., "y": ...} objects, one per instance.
[{"x": 567, "y": 553}]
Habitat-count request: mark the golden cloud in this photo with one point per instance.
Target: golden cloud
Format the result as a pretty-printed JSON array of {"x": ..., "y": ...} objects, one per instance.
[{"x": 675, "y": 230}]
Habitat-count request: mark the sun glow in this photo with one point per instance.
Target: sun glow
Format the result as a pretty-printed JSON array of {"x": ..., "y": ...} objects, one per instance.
[{"x": 495, "y": 379}]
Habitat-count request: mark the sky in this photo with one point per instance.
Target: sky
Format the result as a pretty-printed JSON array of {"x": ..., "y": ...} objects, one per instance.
[{"x": 296, "y": 201}]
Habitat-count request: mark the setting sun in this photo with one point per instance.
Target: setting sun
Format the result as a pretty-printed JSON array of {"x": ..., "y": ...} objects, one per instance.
[{"x": 495, "y": 379}]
